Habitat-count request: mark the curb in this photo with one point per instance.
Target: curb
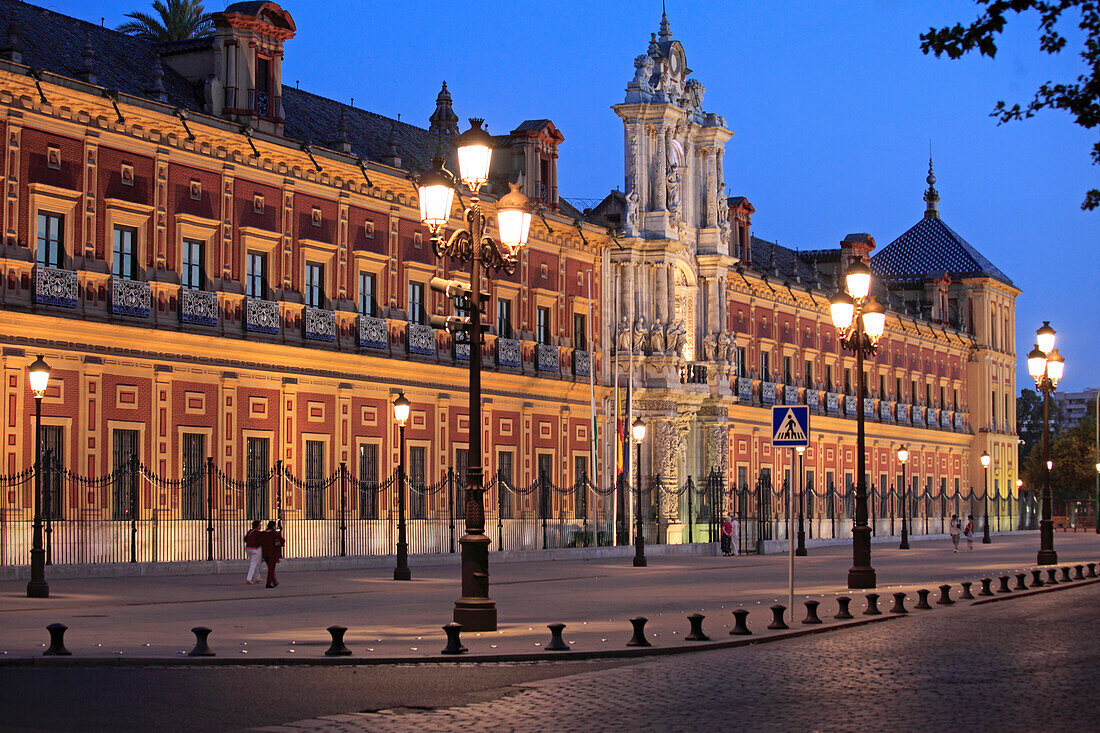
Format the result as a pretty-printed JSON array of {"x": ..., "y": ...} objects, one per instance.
[{"x": 1062, "y": 585}]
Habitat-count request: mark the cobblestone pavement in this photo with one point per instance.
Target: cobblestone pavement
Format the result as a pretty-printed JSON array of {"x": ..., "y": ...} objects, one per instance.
[{"x": 1020, "y": 665}]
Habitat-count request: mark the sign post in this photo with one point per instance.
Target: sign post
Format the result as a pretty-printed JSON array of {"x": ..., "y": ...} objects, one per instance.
[{"x": 790, "y": 429}]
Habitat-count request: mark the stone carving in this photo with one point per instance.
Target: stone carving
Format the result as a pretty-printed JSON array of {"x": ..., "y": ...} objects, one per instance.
[
  {"x": 199, "y": 307},
  {"x": 710, "y": 347},
  {"x": 677, "y": 336},
  {"x": 717, "y": 448},
  {"x": 643, "y": 72},
  {"x": 625, "y": 340},
  {"x": 723, "y": 350},
  {"x": 657, "y": 339},
  {"x": 633, "y": 210},
  {"x": 672, "y": 180},
  {"x": 693, "y": 96},
  {"x": 639, "y": 335}
]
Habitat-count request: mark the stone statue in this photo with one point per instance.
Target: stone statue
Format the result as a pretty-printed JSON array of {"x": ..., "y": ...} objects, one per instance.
[
  {"x": 657, "y": 339},
  {"x": 639, "y": 335},
  {"x": 721, "y": 349},
  {"x": 710, "y": 344},
  {"x": 624, "y": 336},
  {"x": 677, "y": 335},
  {"x": 633, "y": 210},
  {"x": 693, "y": 95},
  {"x": 643, "y": 73},
  {"x": 672, "y": 181}
]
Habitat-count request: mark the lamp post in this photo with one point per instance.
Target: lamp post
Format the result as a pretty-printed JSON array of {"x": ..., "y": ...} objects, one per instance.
[
  {"x": 986, "y": 460},
  {"x": 800, "y": 550},
  {"x": 401, "y": 408},
  {"x": 1019, "y": 490},
  {"x": 39, "y": 376},
  {"x": 903, "y": 458},
  {"x": 860, "y": 321},
  {"x": 1046, "y": 365},
  {"x": 1098, "y": 485},
  {"x": 471, "y": 243},
  {"x": 637, "y": 429}
]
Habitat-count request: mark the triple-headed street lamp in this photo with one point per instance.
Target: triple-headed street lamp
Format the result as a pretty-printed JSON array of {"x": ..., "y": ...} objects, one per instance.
[
  {"x": 986, "y": 460},
  {"x": 39, "y": 375},
  {"x": 637, "y": 429},
  {"x": 472, "y": 243},
  {"x": 903, "y": 458},
  {"x": 1046, "y": 365},
  {"x": 401, "y": 408},
  {"x": 860, "y": 320}
]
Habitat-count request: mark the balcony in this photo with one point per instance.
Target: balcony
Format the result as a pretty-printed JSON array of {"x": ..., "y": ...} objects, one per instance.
[
  {"x": 420, "y": 339},
  {"x": 945, "y": 419},
  {"x": 902, "y": 413},
  {"x": 460, "y": 347},
  {"x": 509, "y": 353},
  {"x": 582, "y": 363},
  {"x": 318, "y": 324},
  {"x": 959, "y": 425},
  {"x": 832, "y": 402},
  {"x": 869, "y": 407},
  {"x": 695, "y": 373},
  {"x": 790, "y": 395},
  {"x": 744, "y": 389},
  {"x": 767, "y": 393},
  {"x": 932, "y": 417},
  {"x": 546, "y": 358},
  {"x": 57, "y": 287},
  {"x": 850, "y": 405},
  {"x": 813, "y": 399},
  {"x": 885, "y": 411},
  {"x": 198, "y": 307},
  {"x": 261, "y": 316},
  {"x": 917, "y": 415},
  {"x": 373, "y": 333},
  {"x": 130, "y": 298}
]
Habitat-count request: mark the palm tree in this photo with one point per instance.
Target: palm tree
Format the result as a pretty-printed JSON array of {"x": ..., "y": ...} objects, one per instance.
[{"x": 179, "y": 20}]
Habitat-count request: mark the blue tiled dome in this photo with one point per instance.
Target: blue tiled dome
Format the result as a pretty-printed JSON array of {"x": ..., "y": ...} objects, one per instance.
[{"x": 929, "y": 249}]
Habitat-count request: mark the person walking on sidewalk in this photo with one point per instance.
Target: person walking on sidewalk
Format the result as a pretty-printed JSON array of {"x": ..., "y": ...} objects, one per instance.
[
  {"x": 727, "y": 535},
  {"x": 252, "y": 551},
  {"x": 955, "y": 530},
  {"x": 271, "y": 544},
  {"x": 735, "y": 532},
  {"x": 968, "y": 531}
]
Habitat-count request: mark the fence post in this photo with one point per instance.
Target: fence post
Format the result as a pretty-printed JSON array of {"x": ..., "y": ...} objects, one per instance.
[
  {"x": 691, "y": 500},
  {"x": 832, "y": 506},
  {"x": 279, "y": 492},
  {"x": 544, "y": 494},
  {"x": 451, "y": 503},
  {"x": 893, "y": 505},
  {"x": 133, "y": 506},
  {"x": 42, "y": 483},
  {"x": 583, "y": 507},
  {"x": 872, "y": 510},
  {"x": 500, "y": 513},
  {"x": 343, "y": 508},
  {"x": 210, "y": 508}
]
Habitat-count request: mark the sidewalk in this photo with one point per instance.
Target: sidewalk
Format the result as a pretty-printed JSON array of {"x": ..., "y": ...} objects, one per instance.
[{"x": 152, "y": 616}]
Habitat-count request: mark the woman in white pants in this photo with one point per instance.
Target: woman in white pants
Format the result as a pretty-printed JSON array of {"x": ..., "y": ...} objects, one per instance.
[{"x": 252, "y": 549}]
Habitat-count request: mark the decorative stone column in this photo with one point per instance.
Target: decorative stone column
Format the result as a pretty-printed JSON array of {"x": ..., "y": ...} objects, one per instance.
[{"x": 659, "y": 170}]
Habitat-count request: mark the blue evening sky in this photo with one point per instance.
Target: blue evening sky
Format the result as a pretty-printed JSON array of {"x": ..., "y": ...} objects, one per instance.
[{"x": 832, "y": 105}]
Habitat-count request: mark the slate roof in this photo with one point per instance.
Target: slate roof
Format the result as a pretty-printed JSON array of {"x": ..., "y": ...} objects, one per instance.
[
  {"x": 783, "y": 264},
  {"x": 929, "y": 249}
]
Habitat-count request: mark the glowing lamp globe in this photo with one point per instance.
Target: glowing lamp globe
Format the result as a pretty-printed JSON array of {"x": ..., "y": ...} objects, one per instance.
[
  {"x": 985, "y": 459},
  {"x": 39, "y": 375},
  {"x": 858, "y": 279},
  {"x": 842, "y": 310},
  {"x": 436, "y": 197},
  {"x": 903, "y": 454},
  {"x": 475, "y": 153},
  {"x": 401, "y": 408},
  {"x": 1036, "y": 364},
  {"x": 1056, "y": 365},
  {"x": 637, "y": 429},
  {"x": 513, "y": 218},
  {"x": 1045, "y": 337},
  {"x": 874, "y": 318}
]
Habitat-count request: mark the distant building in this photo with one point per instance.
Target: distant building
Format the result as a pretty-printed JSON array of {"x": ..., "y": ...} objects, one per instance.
[{"x": 1074, "y": 406}]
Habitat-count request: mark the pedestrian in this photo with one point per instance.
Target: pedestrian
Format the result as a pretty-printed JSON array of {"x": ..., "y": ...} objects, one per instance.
[
  {"x": 955, "y": 530},
  {"x": 968, "y": 531},
  {"x": 735, "y": 532},
  {"x": 727, "y": 535},
  {"x": 271, "y": 544},
  {"x": 252, "y": 551}
]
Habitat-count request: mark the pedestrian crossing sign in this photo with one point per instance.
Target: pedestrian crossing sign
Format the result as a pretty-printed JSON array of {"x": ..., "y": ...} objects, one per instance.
[{"x": 790, "y": 426}]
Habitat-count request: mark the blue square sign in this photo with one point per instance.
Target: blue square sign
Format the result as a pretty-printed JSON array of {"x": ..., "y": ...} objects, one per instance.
[{"x": 790, "y": 426}]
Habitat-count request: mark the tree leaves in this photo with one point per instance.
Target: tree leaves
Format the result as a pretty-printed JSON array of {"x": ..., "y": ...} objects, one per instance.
[{"x": 179, "y": 20}]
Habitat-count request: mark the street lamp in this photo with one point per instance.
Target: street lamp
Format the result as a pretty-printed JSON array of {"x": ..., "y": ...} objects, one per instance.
[
  {"x": 903, "y": 458},
  {"x": 800, "y": 550},
  {"x": 39, "y": 375},
  {"x": 1019, "y": 491},
  {"x": 860, "y": 321},
  {"x": 401, "y": 408},
  {"x": 986, "y": 460},
  {"x": 436, "y": 189},
  {"x": 637, "y": 429},
  {"x": 1046, "y": 365}
]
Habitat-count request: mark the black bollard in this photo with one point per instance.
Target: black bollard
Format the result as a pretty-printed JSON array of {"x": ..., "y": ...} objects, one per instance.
[
  {"x": 557, "y": 644},
  {"x": 740, "y": 628},
  {"x": 1036, "y": 578},
  {"x": 842, "y": 611},
  {"x": 696, "y": 634},
  {"x": 454, "y": 643},
  {"x": 899, "y": 604},
  {"x": 945, "y": 596},
  {"x": 1052, "y": 576},
  {"x": 1078, "y": 572},
  {"x": 1065, "y": 574},
  {"x": 1092, "y": 569},
  {"x": 202, "y": 649},
  {"x": 1020, "y": 581},
  {"x": 986, "y": 587},
  {"x": 57, "y": 641},
  {"x": 337, "y": 648},
  {"x": 1004, "y": 585},
  {"x": 639, "y": 632},
  {"x": 872, "y": 605},
  {"x": 777, "y": 617},
  {"x": 966, "y": 595},
  {"x": 811, "y": 613},
  {"x": 922, "y": 602}
]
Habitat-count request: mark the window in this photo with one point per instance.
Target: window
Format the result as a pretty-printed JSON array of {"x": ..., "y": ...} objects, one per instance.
[
  {"x": 51, "y": 232},
  {"x": 993, "y": 407},
  {"x": 416, "y": 303},
  {"x": 928, "y": 395},
  {"x": 787, "y": 376},
  {"x": 124, "y": 264},
  {"x": 124, "y": 447},
  {"x": 580, "y": 490},
  {"x": 257, "y": 467},
  {"x": 367, "y": 284},
  {"x": 847, "y": 381},
  {"x": 256, "y": 275},
  {"x": 828, "y": 377},
  {"x": 897, "y": 389},
  {"x": 808, "y": 375},
  {"x": 192, "y": 491},
  {"x": 191, "y": 269},
  {"x": 740, "y": 356},
  {"x": 315, "y": 480},
  {"x": 543, "y": 325},
  {"x": 504, "y": 483},
  {"x": 53, "y": 446},
  {"x": 580, "y": 332},
  {"x": 263, "y": 86},
  {"x": 765, "y": 366},
  {"x": 418, "y": 474},
  {"x": 504, "y": 318},
  {"x": 913, "y": 399},
  {"x": 830, "y": 496},
  {"x": 315, "y": 284},
  {"x": 545, "y": 463},
  {"x": 368, "y": 481},
  {"x": 955, "y": 399},
  {"x": 882, "y": 386}
]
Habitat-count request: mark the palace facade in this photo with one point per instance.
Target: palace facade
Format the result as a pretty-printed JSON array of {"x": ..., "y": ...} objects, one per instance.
[{"x": 220, "y": 267}]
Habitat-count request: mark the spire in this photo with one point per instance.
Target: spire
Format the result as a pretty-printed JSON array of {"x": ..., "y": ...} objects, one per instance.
[
  {"x": 87, "y": 59},
  {"x": 392, "y": 157},
  {"x": 444, "y": 121},
  {"x": 666, "y": 29},
  {"x": 341, "y": 142},
  {"x": 931, "y": 196},
  {"x": 156, "y": 88},
  {"x": 12, "y": 50}
]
